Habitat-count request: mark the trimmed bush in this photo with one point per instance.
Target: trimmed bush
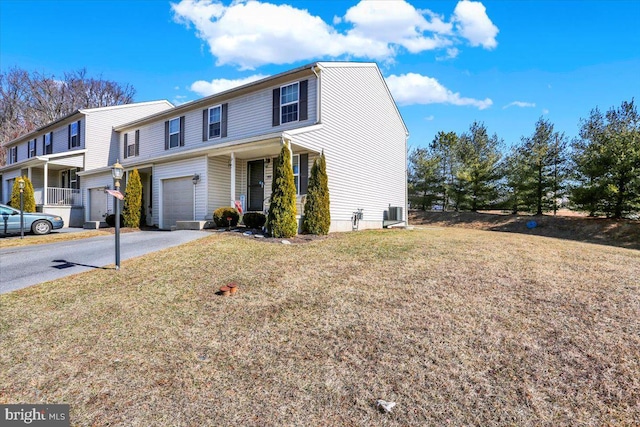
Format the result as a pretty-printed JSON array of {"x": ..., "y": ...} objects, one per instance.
[
  {"x": 132, "y": 200},
  {"x": 111, "y": 220},
  {"x": 281, "y": 221},
  {"x": 220, "y": 216},
  {"x": 254, "y": 219},
  {"x": 317, "y": 216},
  {"x": 28, "y": 198}
]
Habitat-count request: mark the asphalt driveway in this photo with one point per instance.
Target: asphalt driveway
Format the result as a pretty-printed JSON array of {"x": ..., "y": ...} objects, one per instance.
[{"x": 29, "y": 265}]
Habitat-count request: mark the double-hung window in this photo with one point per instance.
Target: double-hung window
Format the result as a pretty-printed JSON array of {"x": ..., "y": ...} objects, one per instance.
[
  {"x": 295, "y": 162},
  {"x": 289, "y": 97},
  {"x": 215, "y": 121},
  {"x": 32, "y": 148},
  {"x": 174, "y": 132},
  {"x": 13, "y": 155},
  {"x": 74, "y": 135},
  {"x": 47, "y": 145}
]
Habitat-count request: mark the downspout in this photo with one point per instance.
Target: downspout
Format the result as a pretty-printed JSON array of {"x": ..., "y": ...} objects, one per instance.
[
  {"x": 316, "y": 68},
  {"x": 406, "y": 178}
]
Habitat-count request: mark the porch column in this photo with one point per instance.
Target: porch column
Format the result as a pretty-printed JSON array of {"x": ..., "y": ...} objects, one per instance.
[
  {"x": 29, "y": 174},
  {"x": 45, "y": 190},
  {"x": 233, "y": 178}
]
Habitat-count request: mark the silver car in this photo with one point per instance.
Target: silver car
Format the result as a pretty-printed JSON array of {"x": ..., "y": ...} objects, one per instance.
[{"x": 37, "y": 223}]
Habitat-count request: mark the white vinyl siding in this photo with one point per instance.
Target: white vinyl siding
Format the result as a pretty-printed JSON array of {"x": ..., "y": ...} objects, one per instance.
[
  {"x": 219, "y": 191},
  {"x": 181, "y": 169},
  {"x": 364, "y": 141},
  {"x": 249, "y": 115}
]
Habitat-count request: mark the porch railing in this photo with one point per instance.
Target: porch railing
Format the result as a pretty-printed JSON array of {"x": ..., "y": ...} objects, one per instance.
[{"x": 58, "y": 196}]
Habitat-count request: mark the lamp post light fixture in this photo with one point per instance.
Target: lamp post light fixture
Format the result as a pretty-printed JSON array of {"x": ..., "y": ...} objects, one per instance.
[
  {"x": 21, "y": 185},
  {"x": 117, "y": 171}
]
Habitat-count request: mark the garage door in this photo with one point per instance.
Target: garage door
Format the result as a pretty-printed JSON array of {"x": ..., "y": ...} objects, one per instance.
[
  {"x": 98, "y": 204},
  {"x": 177, "y": 201}
]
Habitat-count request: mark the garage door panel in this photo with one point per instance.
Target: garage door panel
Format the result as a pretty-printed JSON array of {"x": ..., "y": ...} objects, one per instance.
[
  {"x": 177, "y": 201},
  {"x": 98, "y": 204}
]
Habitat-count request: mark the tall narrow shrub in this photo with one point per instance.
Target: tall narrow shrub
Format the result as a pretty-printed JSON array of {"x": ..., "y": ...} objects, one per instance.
[
  {"x": 28, "y": 198},
  {"x": 132, "y": 200},
  {"x": 317, "y": 217},
  {"x": 281, "y": 221}
]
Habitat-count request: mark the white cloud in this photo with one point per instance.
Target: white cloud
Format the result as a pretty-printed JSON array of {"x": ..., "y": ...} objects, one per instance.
[
  {"x": 520, "y": 104},
  {"x": 474, "y": 25},
  {"x": 204, "y": 88},
  {"x": 251, "y": 33},
  {"x": 412, "y": 88},
  {"x": 545, "y": 111},
  {"x": 429, "y": 118},
  {"x": 452, "y": 53}
]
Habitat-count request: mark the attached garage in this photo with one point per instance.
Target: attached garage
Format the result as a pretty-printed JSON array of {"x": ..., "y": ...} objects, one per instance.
[
  {"x": 97, "y": 204},
  {"x": 177, "y": 201}
]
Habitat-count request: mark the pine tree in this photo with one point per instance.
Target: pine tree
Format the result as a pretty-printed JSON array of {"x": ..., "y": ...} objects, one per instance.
[
  {"x": 132, "y": 200},
  {"x": 281, "y": 220},
  {"x": 28, "y": 197},
  {"x": 317, "y": 216}
]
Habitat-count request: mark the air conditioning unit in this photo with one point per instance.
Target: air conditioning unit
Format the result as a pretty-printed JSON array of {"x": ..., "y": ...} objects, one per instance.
[{"x": 395, "y": 213}]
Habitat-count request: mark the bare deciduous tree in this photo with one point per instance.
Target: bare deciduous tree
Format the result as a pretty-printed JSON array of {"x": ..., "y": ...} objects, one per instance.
[{"x": 31, "y": 100}]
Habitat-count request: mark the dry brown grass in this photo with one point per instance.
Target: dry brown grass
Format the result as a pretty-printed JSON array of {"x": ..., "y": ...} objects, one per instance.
[{"x": 459, "y": 327}]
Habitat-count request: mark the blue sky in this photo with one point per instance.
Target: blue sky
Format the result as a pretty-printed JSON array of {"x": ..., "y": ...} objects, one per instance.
[{"x": 447, "y": 63}]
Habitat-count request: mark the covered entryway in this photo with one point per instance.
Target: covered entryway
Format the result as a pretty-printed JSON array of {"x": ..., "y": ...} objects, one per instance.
[
  {"x": 177, "y": 201},
  {"x": 255, "y": 185},
  {"x": 97, "y": 204}
]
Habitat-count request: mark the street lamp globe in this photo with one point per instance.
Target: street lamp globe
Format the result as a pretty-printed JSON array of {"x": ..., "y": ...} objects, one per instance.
[{"x": 21, "y": 184}]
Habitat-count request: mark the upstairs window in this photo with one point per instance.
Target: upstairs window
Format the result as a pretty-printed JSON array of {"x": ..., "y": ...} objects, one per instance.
[
  {"x": 289, "y": 96},
  {"x": 74, "y": 134},
  {"x": 215, "y": 121},
  {"x": 131, "y": 148},
  {"x": 290, "y": 103},
  {"x": 47, "y": 143},
  {"x": 174, "y": 133},
  {"x": 13, "y": 155},
  {"x": 32, "y": 148}
]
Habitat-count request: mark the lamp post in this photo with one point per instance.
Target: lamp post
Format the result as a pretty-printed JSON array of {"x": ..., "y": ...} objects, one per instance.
[
  {"x": 116, "y": 172},
  {"x": 21, "y": 187}
]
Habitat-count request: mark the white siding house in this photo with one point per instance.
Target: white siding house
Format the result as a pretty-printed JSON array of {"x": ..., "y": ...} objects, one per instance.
[
  {"x": 54, "y": 156},
  {"x": 217, "y": 150}
]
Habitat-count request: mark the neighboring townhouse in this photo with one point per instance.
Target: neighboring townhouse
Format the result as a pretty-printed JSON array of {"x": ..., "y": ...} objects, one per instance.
[
  {"x": 217, "y": 150},
  {"x": 54, "y": 156}
]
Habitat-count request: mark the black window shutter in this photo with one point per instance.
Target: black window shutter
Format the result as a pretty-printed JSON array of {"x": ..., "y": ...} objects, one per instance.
[
  {"x": 126, "y": 143},
  {"x": 205, "y": 124},
  {"x": 304, "y": 173},
  {"x": 276, "y": 107},
  {"x": 51, "y": 141},
  {"x": 137, "y": 149},
  {"x": 224, "y": 120},
  {"x": 166, "y": 135},
  {"x": 182, "y": 131},
  {"x": 44, "y": 149},
  {"x": 304, "y": 89},
  {"x": 69, "y": 139},
  {"x": 79, "y": 143}
]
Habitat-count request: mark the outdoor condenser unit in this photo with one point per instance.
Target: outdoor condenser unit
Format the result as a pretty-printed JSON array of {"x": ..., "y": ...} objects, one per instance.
[{"x": 395, "y": 213}]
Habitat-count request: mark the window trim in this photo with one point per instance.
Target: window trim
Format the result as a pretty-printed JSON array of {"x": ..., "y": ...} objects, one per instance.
[
  {"x": 297, "y": 102},
  {"x": 209, "y": 123},
  {"x": 77, "y": 143},
  {"x": 296, "y": 176},
  {"x": 174, "y": 133},
  {"x": 47, "y": 148},
  {"x": 13, "y": 154},
  {"x": 31, "y": 148}
]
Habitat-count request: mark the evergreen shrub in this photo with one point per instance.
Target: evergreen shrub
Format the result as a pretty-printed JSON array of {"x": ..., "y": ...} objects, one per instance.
[
  {"x": 220, "y": 216},
  {"x": 254, "y": 219}
]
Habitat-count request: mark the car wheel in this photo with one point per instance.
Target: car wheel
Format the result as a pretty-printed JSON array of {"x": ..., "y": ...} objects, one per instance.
[{"x": 41, "y": 227}]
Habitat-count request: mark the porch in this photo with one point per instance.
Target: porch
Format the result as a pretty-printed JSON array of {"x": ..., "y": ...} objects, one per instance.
[{"x": 57, "y": 196}]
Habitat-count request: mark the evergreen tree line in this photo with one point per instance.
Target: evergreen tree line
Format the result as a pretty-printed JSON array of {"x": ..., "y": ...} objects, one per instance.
[{"x": 597, "y": 172}]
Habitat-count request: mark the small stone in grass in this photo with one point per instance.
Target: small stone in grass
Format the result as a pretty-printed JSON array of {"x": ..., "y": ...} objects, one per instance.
[{"x": 385, "y": 406}]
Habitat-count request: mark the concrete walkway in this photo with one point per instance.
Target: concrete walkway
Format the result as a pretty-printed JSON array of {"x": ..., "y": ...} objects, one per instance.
[{"x": 29, "y": 265}]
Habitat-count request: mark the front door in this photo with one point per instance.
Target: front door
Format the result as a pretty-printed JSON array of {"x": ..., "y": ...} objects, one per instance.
[{"x": 255, "y": 187}]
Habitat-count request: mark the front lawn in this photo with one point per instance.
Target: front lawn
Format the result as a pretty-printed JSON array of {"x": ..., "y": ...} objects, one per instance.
[{"x": 458, "y": 326}]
